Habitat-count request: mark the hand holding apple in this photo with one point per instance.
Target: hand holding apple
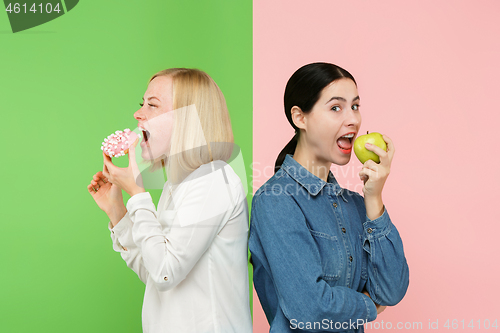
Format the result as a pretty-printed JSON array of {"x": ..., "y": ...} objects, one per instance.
[
  {"x": 364, "y": 154},
  {"x": 374, "y": 176}
]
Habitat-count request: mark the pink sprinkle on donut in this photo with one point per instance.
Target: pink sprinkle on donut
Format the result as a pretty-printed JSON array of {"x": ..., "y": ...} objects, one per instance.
[{"x": 117, "y": 144}]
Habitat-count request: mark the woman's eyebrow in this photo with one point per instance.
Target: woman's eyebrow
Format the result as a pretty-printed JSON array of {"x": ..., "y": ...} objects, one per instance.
[
  {"x": 152, "y": 98},
  {"x": 341, "y": 99}
]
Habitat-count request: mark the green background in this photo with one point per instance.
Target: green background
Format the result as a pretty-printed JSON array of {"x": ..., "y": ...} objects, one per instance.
[{"x": 64, "y": 86}]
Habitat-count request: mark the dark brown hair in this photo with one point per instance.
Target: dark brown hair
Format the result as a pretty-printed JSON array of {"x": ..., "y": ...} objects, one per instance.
[{"x": 303, "y": 90}]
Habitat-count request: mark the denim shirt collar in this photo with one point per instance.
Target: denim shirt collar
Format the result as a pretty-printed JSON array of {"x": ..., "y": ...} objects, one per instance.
[{"x": 310, "y": 182}]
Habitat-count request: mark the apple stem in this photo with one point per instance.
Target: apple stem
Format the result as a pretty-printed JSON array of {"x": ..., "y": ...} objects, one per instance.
[{"x": 366, "y": 132}]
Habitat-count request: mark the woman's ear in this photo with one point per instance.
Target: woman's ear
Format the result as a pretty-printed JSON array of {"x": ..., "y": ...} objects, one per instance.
[{"x": 298, "y": 117}]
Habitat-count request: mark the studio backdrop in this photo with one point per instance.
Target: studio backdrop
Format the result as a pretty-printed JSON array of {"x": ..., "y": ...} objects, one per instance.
[
  {"x": 72, "y": 72},
  {"x": 427, "y": 73},
  {"x": 67, "y": 80}
]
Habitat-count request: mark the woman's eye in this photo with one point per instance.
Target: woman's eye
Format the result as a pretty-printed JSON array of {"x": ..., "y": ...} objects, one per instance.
[
  {"x": 355, "y": 107},
  {"x": 152, "y": 105},
  {"x": 336, "y": 108},
  {"x": 141, "y": 104}
]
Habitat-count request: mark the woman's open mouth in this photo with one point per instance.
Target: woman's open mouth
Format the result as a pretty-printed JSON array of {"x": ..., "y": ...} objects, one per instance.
[
  {"x": 145, "y": 143},
  {"x": 345, "y": 143},
  {"x": 145, "y": 137}
]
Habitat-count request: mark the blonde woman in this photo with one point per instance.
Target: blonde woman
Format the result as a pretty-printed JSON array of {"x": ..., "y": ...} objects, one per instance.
[{"x": 191, "y": 252}]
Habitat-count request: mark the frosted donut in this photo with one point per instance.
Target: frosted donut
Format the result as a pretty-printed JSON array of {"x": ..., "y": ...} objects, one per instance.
[{"x": 118, "y": 143}]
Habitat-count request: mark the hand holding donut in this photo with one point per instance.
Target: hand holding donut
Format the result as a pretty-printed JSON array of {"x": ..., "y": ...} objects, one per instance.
[
  {"x": 124, "y": 178},
  {"x": 106, "y": 192}
]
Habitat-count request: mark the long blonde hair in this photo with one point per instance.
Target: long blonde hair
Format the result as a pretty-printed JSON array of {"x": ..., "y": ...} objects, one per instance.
[{"x": 202, "y": 128}]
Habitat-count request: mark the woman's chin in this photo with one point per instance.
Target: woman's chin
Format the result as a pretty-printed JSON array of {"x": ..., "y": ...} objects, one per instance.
[
  {"x": 341, "y": 160},
  {"x": 146, "y": 156},
  {"x": 149, "y": 156}
]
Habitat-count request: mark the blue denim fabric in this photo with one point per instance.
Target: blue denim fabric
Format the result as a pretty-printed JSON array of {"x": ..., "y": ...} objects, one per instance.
[{"x": 314, "y": 250}]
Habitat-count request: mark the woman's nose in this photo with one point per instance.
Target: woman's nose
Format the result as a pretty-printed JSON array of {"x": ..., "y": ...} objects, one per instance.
[
  {"x": 138, "y": 114},
  {"x": 353, "y": 118}
]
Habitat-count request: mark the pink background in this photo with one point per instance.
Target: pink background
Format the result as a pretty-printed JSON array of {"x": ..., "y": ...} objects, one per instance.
[{"x": 427, "y": 74}]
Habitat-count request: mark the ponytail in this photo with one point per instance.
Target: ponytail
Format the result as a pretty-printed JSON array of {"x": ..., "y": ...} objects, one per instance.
[{"x": 289, "y": 149}]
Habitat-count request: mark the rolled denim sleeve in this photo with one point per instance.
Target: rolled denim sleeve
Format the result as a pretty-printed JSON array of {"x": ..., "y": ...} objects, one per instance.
[
  {"x": 388, "y": 274},
  {"x": 290, "y": 255}
]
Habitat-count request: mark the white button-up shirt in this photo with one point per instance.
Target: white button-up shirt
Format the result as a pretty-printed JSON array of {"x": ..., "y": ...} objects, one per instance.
[{"x": 191, "y": 253}]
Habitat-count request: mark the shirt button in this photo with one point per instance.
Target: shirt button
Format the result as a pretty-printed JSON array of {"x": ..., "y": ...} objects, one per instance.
[
  {"x": 350, "y": 258},
  {"x": 124, "y": 248},
  {"x": 165, "y": 278},
  {"x": 369, "y": 230},
  {"x": 343, "y": 230},
  {"x": 335, "y": 205}
]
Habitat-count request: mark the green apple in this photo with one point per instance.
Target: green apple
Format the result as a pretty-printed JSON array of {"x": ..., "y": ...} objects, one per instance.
[{"x": 364, "y": 154}]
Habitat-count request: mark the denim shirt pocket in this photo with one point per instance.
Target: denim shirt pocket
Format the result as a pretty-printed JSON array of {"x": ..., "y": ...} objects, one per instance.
[{"x": 331, "y": 255}]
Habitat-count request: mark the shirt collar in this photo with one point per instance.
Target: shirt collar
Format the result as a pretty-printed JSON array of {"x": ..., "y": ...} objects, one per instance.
[{"x": 310, "y": 182}]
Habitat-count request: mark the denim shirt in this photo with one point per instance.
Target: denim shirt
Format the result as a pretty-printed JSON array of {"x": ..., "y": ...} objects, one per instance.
[{"x": 314, "y": 251}]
